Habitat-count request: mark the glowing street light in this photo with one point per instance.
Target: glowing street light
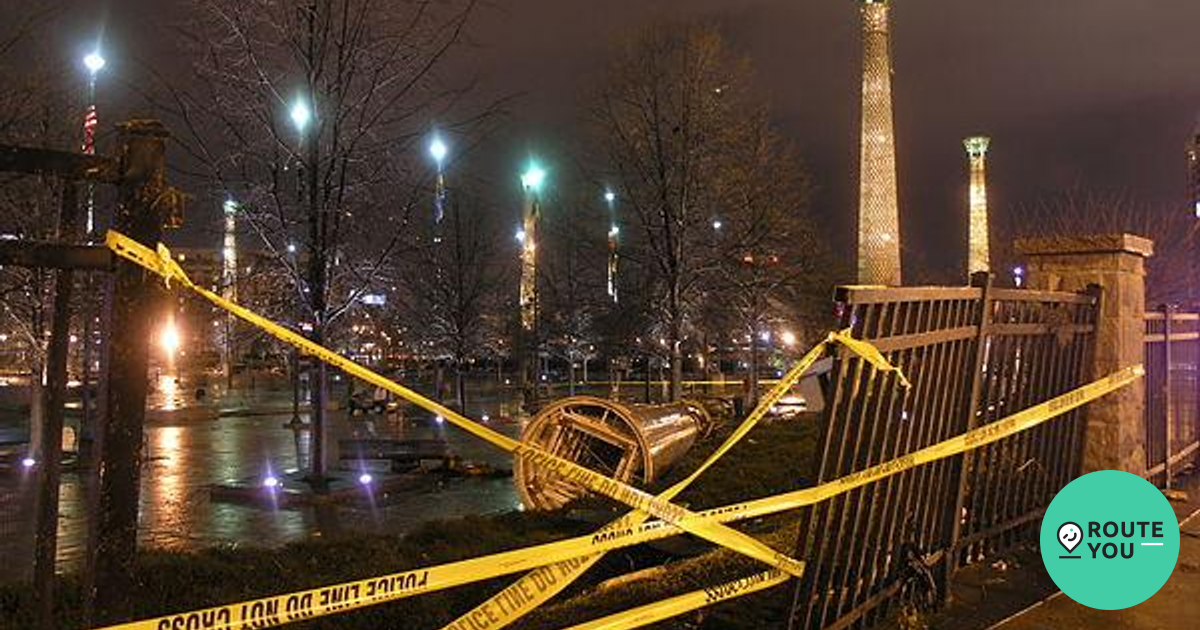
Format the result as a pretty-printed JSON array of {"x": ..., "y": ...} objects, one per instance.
[
  {"x": 169, "y": 338},
  {"x": 300, "y": 115},
  {"x": 533, "y": 177},
  {"x": 788, "y": 337},
  {"x": 94, "y": 62},
  {"x": 438, "y": 149}
]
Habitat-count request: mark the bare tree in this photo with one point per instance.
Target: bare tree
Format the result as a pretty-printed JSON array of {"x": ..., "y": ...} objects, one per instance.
[
  {"x": 457, "y": 286},
  {"x": 771, "y": 269},
  {"x": 306, "y": 114},
  {"x": 687, "y": 141},
  {"x": 1173, "y": 229}
]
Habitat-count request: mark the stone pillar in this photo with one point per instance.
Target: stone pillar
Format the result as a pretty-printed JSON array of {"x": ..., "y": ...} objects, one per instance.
[{"x": 1115, "y": 262}]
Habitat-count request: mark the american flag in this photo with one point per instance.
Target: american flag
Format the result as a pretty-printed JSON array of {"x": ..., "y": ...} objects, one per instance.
[{"x": 89, "y": 130}]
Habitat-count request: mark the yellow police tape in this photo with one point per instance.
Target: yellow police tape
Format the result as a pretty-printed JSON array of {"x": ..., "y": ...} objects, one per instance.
[
  {"x": 545, "y": 582},
  {"x": 307, "y": 604},
  {"x": 160, "y": 262},
  {"x": 288, "y": 607},
  {"x": 679, "y": 604}
]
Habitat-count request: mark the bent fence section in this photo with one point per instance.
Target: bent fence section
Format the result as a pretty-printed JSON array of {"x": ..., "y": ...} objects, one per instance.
[{"x": 973, "y": 355}]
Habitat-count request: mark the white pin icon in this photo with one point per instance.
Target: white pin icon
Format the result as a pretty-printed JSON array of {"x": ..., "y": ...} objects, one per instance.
[{"x": 1069, "y": 536}]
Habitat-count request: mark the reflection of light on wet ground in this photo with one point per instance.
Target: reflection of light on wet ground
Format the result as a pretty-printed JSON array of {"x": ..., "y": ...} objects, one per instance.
[
  {"x": 184, "y": 458},
  {"x": 169, "y": 387}
]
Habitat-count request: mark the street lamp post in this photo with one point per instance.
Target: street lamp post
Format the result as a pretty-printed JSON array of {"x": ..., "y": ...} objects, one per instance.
[
  {"x": 438, "y": 150},
  {"x": 94, "y": 63},
  {"x": 613, "y": 231},
  {"x": 531, "y": 183},
  {"x": 303, "y": 117}
]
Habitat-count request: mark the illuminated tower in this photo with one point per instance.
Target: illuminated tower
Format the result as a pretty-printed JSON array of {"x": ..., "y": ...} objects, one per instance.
[
  {"x": 878, "y": 212},
  {"x": 977, "y": 243}
]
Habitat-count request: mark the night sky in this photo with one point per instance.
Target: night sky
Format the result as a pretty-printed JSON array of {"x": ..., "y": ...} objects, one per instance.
[{"x": 1099, "y": 94}]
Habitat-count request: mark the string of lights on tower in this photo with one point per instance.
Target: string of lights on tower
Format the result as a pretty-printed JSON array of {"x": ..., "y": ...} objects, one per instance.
[
  {"x": 978, "y": 252},
  {"x": 878, "y": 209}
]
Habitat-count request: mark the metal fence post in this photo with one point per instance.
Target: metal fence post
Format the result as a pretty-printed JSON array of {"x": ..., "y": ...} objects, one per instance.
[
  {"x": 1168, "y": 311},
  {"x": 969, "y": 413}
]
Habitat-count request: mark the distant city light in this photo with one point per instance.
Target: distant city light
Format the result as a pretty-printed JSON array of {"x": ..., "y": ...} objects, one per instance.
[
  {"x": 614, "y": 230},
  {"x": 533, "y": 177},
  {"x": 485, "y": 418},
  {"x": 28, "y": 462},
  {"x": 365, "y": 479},
  {"x": 300, "y": 114},
  {"x": 788, "y": 338},
  {"x": 765, "y": 335},
  {"x": 94, "y": 62},
  {"x": 610, "y": 196},
  {"x": 439, "y": 419},
  {"x": 1018, "y": 276},
  {"x": 716, "y": 224},
  {"x": 374, "y": 299},
  {"x": 291, "y": 248},
  {"x": 271, "y": 482},
  {"x": 520, "y": 236},
  {"x": 438, "y": 149}
]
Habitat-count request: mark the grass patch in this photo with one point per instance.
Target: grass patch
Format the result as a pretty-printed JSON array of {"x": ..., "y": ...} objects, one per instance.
[{"x": 774, "y": 458}]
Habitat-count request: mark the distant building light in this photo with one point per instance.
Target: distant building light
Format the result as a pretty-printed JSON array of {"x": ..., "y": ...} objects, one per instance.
[
  {"x": 520, "y": 236},
  {"x": 374, "y": 299},
  {"x": 270, "y": 482},
  {"x": 28, "y": 462},
  {"x": 365, "y": 479},
  {"x": 8, "y": 237},
  {"x": 716, "y": 224}
]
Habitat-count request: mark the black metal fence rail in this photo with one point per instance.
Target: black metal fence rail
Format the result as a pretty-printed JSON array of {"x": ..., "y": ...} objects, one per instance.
[
  {"x": 973, "y": 355},
  {"x": 1172, "y": 394}
]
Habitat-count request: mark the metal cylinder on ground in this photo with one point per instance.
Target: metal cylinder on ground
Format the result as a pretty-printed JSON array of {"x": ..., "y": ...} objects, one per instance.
[{"x": 633, "y": 443}]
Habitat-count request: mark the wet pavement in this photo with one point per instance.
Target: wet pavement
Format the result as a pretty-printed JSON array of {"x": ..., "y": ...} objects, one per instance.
[{"x": 191, "y": 446}]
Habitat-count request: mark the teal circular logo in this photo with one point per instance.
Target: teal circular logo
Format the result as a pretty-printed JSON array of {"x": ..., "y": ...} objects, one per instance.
[{"x": 1110, "y": 540}]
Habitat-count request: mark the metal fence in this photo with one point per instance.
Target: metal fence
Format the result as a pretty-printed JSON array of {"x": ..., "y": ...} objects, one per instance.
[
  {"x": 1172, "y": 394},
  {"x": 973, "y": 355}
]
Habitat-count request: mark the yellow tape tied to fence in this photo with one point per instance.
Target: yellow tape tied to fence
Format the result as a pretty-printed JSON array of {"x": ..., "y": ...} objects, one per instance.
[
  {"x": 534, "y": 589},
  {"x": 574, "y": 552},
  {"x": 160, "y": 262}
]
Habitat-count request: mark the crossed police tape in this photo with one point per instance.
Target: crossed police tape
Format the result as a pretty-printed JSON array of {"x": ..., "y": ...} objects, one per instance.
[
  {"x": 569, "y": 555},
  {"x": 536, "y": 588},
  {"x": 160, "y": 262}
]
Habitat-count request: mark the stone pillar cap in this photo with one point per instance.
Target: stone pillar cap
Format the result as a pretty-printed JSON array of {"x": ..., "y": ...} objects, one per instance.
[{"x": 1088, "y": 244}]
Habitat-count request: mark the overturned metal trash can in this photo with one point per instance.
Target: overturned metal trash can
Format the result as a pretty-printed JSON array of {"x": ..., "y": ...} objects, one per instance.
[{"x": 630, "y": 442}]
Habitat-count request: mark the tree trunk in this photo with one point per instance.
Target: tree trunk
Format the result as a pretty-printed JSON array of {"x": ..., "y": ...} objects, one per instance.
[
  {"x": 752, "y": 378},
  {"x": 136, "y": 299},
  {"x": 571, "y": 376},
  {"x": 460, "y": 391},
  {"x": 49, "y": 458}
]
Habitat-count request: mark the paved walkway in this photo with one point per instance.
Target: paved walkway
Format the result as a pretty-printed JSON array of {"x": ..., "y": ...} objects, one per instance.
[{"x": 1176, "y": 605}]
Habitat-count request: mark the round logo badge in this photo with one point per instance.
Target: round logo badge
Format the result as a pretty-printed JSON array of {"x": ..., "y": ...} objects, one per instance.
[{"x": 1110, "y": 540}]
